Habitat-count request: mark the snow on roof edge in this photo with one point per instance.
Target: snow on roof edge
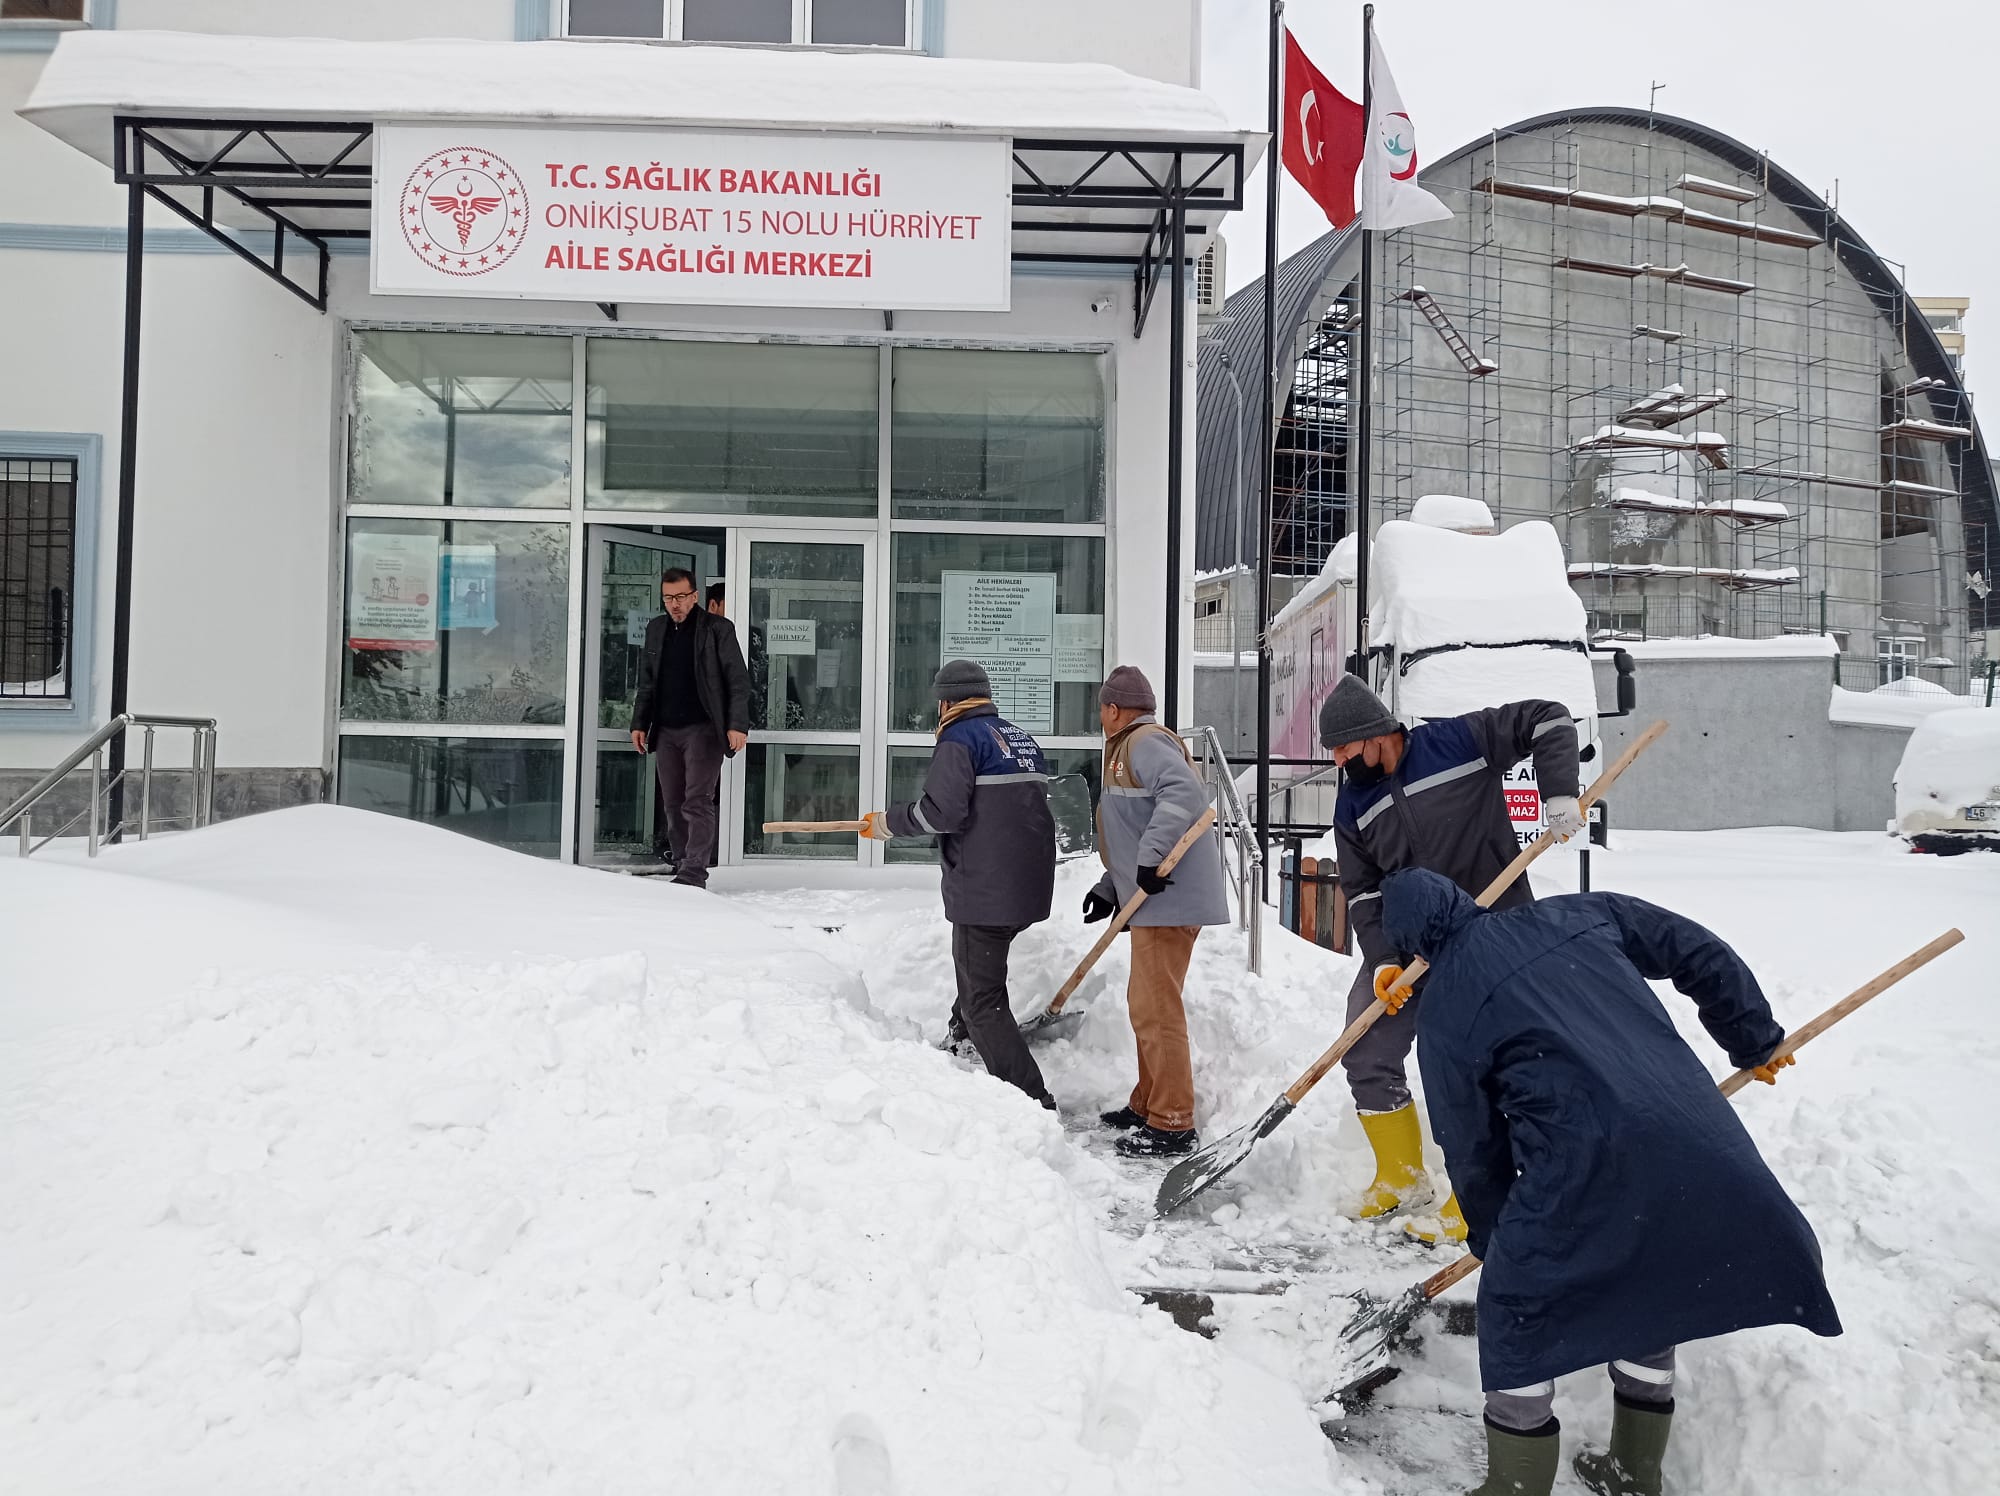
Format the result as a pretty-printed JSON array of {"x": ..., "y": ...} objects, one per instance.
[{"x": 93, "y": 75}]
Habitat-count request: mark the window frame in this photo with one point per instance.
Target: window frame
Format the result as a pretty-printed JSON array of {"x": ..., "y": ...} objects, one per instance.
[
  {"x": 914, "y": 19},
  {"x": 77, "y": 710},
  {"x": 31, "y": 34}
]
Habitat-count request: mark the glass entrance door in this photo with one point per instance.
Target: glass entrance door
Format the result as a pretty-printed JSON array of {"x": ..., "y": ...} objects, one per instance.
[
  {"x": 809, "y": 629},
  {"x": 621, "y": 824}
]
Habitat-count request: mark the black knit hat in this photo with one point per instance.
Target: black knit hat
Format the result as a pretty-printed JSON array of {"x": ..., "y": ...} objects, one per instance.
[
  {"x": 960, "y": 680},
  {"x": 1352, "y": 713}
]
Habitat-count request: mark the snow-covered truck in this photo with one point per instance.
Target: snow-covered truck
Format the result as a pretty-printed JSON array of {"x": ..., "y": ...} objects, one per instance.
[
  {"x": 1462, "y": 617},
  {"x": 1948, "y": 782}
]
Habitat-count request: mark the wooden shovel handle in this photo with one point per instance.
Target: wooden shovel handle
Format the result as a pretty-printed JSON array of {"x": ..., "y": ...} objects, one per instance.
[
  {"x": 1351, "y": 1035},
  {"x": 814, "y": 825},
  {"x": 1467, "y": 1265},
  {"x": 1866, "y": 992},
  {"x": 1124, "y": 916}
]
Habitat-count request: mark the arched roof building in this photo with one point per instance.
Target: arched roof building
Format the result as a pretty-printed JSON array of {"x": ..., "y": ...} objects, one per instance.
[{"x": 1647, "y": 332}]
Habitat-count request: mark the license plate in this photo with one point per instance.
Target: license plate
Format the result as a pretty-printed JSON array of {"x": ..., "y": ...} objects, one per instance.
[{"x": 1982, "y": 812}]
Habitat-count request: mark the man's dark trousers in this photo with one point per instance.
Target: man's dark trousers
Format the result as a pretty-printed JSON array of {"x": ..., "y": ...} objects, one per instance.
[
  {"x": 979, "y": 955},
  {"x": 689, "y": 763}
]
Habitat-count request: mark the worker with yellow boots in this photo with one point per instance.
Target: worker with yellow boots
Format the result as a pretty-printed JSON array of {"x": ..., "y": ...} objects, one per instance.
[{"x": 1431, "y": 796}]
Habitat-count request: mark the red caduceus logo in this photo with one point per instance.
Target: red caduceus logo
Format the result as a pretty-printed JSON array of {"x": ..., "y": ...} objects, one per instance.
[{"x": 464, "y": 211}]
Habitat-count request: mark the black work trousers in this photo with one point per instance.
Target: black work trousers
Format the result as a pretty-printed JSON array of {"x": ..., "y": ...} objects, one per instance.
[
  {"x": 688, "y": 761},
  {"x": 979, "y": 957}
]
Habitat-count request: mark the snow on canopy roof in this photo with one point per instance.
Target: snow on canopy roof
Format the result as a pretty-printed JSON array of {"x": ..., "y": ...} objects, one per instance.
[{"x": 93, "y": 75}]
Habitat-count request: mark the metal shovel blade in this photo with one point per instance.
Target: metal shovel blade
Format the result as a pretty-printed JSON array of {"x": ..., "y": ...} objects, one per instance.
[
  {"x": 1373, "y": 1332},
  {"x": 1047, "y": 1025},
  {"x": 1204, "y": 1166}
]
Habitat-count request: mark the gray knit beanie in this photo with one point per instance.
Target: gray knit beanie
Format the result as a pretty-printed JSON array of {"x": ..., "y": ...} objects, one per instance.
[
  {"x": 960, "y": 680},
  {"x": 1352, "y": 712},
  {"x": 1127, "y": 686}
]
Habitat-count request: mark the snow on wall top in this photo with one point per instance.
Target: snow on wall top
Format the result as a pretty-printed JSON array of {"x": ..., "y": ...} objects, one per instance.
[
  {"x": 1901, "y": 703},
  {"x": 1951, "y": 761},
  {"x": 1449, "y": 511},
  {"x": 93, "y": 74}
]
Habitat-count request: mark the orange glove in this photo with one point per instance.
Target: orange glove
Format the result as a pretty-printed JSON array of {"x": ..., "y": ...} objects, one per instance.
[
  {"x": 1386, "y": 977},
  {"x": 1768, "y": 1071},
  {"x": 875, "y": 825}
]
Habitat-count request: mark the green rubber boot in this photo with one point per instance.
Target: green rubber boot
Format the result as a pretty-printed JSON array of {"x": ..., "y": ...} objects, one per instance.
[
  {"x": 1520, "y": 1464},
  {"x": 1631, "y": 1466}
]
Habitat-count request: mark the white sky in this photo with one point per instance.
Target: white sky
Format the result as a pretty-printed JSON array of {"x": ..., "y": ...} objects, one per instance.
[{"x": 1899, "y": 103}]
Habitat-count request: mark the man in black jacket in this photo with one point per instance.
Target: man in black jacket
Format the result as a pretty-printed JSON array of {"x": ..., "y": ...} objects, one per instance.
[{"x": 692, "y": 710}]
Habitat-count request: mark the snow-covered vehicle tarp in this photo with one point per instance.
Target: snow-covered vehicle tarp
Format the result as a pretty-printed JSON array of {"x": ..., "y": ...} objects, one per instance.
[{"x": 1948, "y": 783}]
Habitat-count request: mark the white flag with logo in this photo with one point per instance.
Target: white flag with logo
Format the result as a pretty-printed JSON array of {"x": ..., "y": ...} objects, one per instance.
[{"x": 1390, "y": 196}]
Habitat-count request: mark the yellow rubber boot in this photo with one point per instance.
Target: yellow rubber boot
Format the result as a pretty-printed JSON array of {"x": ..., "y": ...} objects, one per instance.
[
  {"x": 1449, "y": 1219},
  {"x": 1399, "y": 1158}
]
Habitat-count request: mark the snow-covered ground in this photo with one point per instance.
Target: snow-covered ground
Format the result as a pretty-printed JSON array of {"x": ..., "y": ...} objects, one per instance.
[{"x": 343, "y": 1155}]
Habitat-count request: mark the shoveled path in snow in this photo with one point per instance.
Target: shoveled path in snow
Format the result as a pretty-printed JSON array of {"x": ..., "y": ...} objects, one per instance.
[{"x": 1881, "y": 1133}]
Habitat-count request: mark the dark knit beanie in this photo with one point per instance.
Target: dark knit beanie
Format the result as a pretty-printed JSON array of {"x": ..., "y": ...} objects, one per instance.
[
  {"x": 1352, "y": 713},
  {"x": 961, "y": 680},
  {"x": 1127, "y": 686}
]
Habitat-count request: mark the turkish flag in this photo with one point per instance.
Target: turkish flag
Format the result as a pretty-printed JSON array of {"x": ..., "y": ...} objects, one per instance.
[{"x": 1324, "y": 135}]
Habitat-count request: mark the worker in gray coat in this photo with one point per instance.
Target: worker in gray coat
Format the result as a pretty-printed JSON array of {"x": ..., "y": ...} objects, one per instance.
[
  {"x": 986, "y": 801},
  {"x": 1152, "y": 795},
  {"x": 1431, "y": 796}
]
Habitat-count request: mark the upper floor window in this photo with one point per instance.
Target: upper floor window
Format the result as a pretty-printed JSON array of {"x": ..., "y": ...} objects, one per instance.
[
  {"x": 826, "y": 23},
  {"x": 42, "y": 10}
]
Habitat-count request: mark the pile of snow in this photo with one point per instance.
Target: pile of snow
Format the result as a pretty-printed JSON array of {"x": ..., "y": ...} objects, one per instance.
[
  {"x": 1722, "y": 647},
  {"x": 458, "y": 1172},
  {"x": 1951, "y": 761},
  {"x": 1904, "y": 702},
  {"x": 1437, "y": 587},
  {"x": 1339, "y": 571},
  {"x": 1450, "y": 511},
  {"x": 93, "y": 73}
]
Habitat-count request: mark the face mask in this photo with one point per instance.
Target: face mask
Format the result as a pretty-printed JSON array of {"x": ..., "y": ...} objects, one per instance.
[{"x": 1360, "y": 771}]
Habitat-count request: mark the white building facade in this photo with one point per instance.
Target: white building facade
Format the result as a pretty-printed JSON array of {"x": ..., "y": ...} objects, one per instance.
[{"x": 397, "y": 526}]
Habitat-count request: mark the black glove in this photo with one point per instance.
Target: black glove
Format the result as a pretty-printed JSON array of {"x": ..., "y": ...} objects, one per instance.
[
  {"x": 1096, "y": 906},
  {"x": 1151, "y": 881}
]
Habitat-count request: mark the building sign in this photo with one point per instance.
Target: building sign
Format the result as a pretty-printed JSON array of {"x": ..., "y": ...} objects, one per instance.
[
  {"x": 680, "y": 217},
  {"x": 392, "y": 591},
  {"x": 1006, "y": 622}
]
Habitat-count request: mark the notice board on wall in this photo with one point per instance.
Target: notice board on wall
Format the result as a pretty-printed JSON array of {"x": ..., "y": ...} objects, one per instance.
[{"x": 1006, "y": 623}]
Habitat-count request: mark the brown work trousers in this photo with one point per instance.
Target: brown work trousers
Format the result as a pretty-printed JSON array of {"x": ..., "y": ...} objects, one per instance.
[{"x": 1160, "y": 956}]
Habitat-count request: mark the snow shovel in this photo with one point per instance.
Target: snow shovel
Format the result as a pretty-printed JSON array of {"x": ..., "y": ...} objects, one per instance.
[
  {"x": 1374, "y": 1331},
  {"x": 1202, "y": 1168},
  {"x": 1052, "y": 1022}
]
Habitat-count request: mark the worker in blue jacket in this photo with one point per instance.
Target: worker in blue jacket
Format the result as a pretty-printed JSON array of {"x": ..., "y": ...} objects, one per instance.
[{"x": 1609, "y": 1188}]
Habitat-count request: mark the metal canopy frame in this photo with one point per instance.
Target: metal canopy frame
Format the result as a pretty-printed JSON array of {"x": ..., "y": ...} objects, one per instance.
[{"x": 279, "y": 193}]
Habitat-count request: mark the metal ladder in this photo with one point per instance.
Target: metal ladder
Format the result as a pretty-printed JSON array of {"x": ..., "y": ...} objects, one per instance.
[
  {"x": 201, "y": 788},
  {"x": 1237, "y": 830}
]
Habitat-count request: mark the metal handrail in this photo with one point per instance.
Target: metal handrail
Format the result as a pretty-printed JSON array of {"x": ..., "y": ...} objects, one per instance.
[
  {"x": 201, "y": 789},
  {"x": 1235, "y": 823}
]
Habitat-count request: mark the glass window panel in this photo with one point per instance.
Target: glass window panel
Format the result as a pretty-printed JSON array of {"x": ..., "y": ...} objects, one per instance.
[
  {"x": 37, "y": 577},
  {"x": 732, "y": 428},
  {"x": 630, "y": 585},
  {"x": 794, "y": 783},
  {"x": 806, "y": 608},
  {"x": 1074, "y": 831},
  {"x": 455, "y": 621},
  {"x": 860, "y": 23},
  {"x": 736, "y": 20},
  {"x": 459, "y": 418},
  {"x": 507, "y": 791},
  {"x": 1076, "y": 562},
  {"x": 986, "y": 435},
  {"x": 629, "y": 820},
  {"x": 618, "y": 17}
]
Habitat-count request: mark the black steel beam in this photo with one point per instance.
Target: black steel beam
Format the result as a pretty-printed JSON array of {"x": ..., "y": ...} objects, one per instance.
[
  {"x": 128, "y": 489},
  {"x": 1176, "y": 431}
]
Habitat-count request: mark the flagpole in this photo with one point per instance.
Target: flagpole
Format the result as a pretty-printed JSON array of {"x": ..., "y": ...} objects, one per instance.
[
  {"x": 1361, "y": 360},
  {"x": 1269, "y": 433}
]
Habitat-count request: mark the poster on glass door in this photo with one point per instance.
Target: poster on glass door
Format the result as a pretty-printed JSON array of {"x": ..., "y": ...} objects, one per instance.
[
  {"x": 392, "y": 591},
  {"x": 1006, "y": 622}
]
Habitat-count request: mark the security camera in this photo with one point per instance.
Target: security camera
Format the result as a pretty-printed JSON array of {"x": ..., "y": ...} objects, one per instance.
[{"x": 1103, "y": 304}]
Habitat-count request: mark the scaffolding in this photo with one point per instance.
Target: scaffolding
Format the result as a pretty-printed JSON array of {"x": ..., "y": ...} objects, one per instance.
[{"x": 1626, "y": 335}]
